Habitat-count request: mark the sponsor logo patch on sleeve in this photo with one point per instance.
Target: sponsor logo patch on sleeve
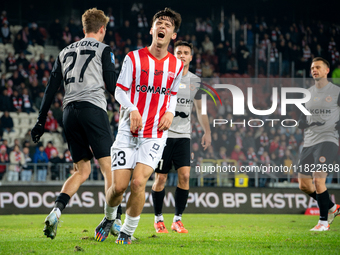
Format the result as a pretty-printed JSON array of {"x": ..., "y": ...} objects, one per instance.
[{"x": 112, "y": 58}]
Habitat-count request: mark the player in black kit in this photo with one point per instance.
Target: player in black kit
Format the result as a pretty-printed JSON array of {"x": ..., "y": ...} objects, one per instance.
[{"x": 86, "y": 68}]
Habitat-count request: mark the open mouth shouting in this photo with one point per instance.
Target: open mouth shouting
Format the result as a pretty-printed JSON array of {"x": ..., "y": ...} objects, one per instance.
[{"x": 161, "y": 35}]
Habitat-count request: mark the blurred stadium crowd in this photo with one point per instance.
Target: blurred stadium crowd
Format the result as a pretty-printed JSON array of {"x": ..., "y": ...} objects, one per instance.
[{"x": 227, "y": 49}]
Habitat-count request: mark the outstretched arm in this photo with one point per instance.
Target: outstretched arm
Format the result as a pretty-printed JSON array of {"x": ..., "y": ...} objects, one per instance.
[{"x": 51, "y": 89}]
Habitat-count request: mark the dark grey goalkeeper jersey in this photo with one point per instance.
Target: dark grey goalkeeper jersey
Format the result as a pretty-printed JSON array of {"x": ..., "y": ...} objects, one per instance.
[
  {"x": 83, "y": 73},
  {"x": 324, "y": 107},
  {"x": 181, "y": 126},
  {"x": 85, "y": 68}
]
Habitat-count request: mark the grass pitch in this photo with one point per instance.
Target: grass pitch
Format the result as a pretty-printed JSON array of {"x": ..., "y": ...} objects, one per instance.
[{"x": 208, "y": 234}]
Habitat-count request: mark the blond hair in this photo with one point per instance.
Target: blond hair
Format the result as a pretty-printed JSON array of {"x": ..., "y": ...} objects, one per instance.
[{"x": 93, "y": 20}]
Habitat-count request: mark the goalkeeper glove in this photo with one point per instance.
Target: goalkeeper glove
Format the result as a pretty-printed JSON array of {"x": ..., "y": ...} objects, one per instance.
[{"x": 38, "y": 131}]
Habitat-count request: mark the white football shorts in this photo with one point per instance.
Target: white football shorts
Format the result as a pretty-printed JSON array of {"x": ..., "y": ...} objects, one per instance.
[{"x": 127, "y": 151}]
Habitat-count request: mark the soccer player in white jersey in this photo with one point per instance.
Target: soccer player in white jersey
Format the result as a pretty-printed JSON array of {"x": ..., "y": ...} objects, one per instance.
[
  {"x": 86, "y": 68},
  {"x": 321, "y": 142},
  {"x": 177, "y": 149},
  {"x": 147, "y": 92}
]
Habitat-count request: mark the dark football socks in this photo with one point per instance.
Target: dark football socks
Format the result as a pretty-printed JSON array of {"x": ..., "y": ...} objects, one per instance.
[
  {"x": 323, "y": 202},
  {"x": 330, "y": 203},
  {"x": 181, "y": 198},
  {"x": 157, "y": 198},
  {"x": 61, "y": 201},
  {"x": 119, "y": 212}
]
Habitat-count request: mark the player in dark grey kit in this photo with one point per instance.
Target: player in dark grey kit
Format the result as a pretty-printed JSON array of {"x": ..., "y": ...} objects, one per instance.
[
  {"x": 86, "y": 68},
  {"x": 321, "y": 142},
  {"x": 177, "y": 149}
]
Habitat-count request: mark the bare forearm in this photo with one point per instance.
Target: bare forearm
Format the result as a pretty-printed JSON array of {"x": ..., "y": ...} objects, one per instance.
[
  {"x": 204, "y": 122},
  {"x": 202, "y": 119}
]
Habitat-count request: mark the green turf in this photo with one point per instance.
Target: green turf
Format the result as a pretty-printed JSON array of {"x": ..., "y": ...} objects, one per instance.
[{"x": 208, "y": 234}]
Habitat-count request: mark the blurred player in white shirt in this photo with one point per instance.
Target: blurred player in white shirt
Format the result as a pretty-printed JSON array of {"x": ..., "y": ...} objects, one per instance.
[{"x": 177, "y": 150}]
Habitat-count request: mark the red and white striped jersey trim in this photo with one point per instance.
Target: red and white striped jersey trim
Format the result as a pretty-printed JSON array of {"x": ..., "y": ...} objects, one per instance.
[{"x": 150, "y": 84}]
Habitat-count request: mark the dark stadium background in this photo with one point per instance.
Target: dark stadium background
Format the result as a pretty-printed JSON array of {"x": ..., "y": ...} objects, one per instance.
[{"x": 326, "y": 11}]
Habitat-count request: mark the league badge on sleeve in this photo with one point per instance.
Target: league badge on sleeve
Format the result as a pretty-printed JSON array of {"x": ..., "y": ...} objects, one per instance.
[
  {"x": 112, "y": 58},
  {"x": 182, "y": 86}
]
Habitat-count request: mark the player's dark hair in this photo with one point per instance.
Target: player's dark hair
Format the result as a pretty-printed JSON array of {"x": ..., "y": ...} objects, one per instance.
[
  {"x": 175, "y": 17},
  {"x": 93, "y": 19},
  {"x": 321, "y": 59},
  {"x": 184, "y": 43}
]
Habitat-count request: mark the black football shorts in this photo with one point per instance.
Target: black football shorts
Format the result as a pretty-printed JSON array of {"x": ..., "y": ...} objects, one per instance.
[
  {"x": 317, "y": 158},
  {"x": 177, "y": 152},
  {"x": 87, "y": 125}
]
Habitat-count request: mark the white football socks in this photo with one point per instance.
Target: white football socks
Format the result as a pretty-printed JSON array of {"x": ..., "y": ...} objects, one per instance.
[
  {"x": 159, "y": 218},
  {"x": 177, "y": 218},
  {"x": 110, "y": 212},
  {"x": 130, "y": 224},
  {"x": 323, "y": 222}
]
